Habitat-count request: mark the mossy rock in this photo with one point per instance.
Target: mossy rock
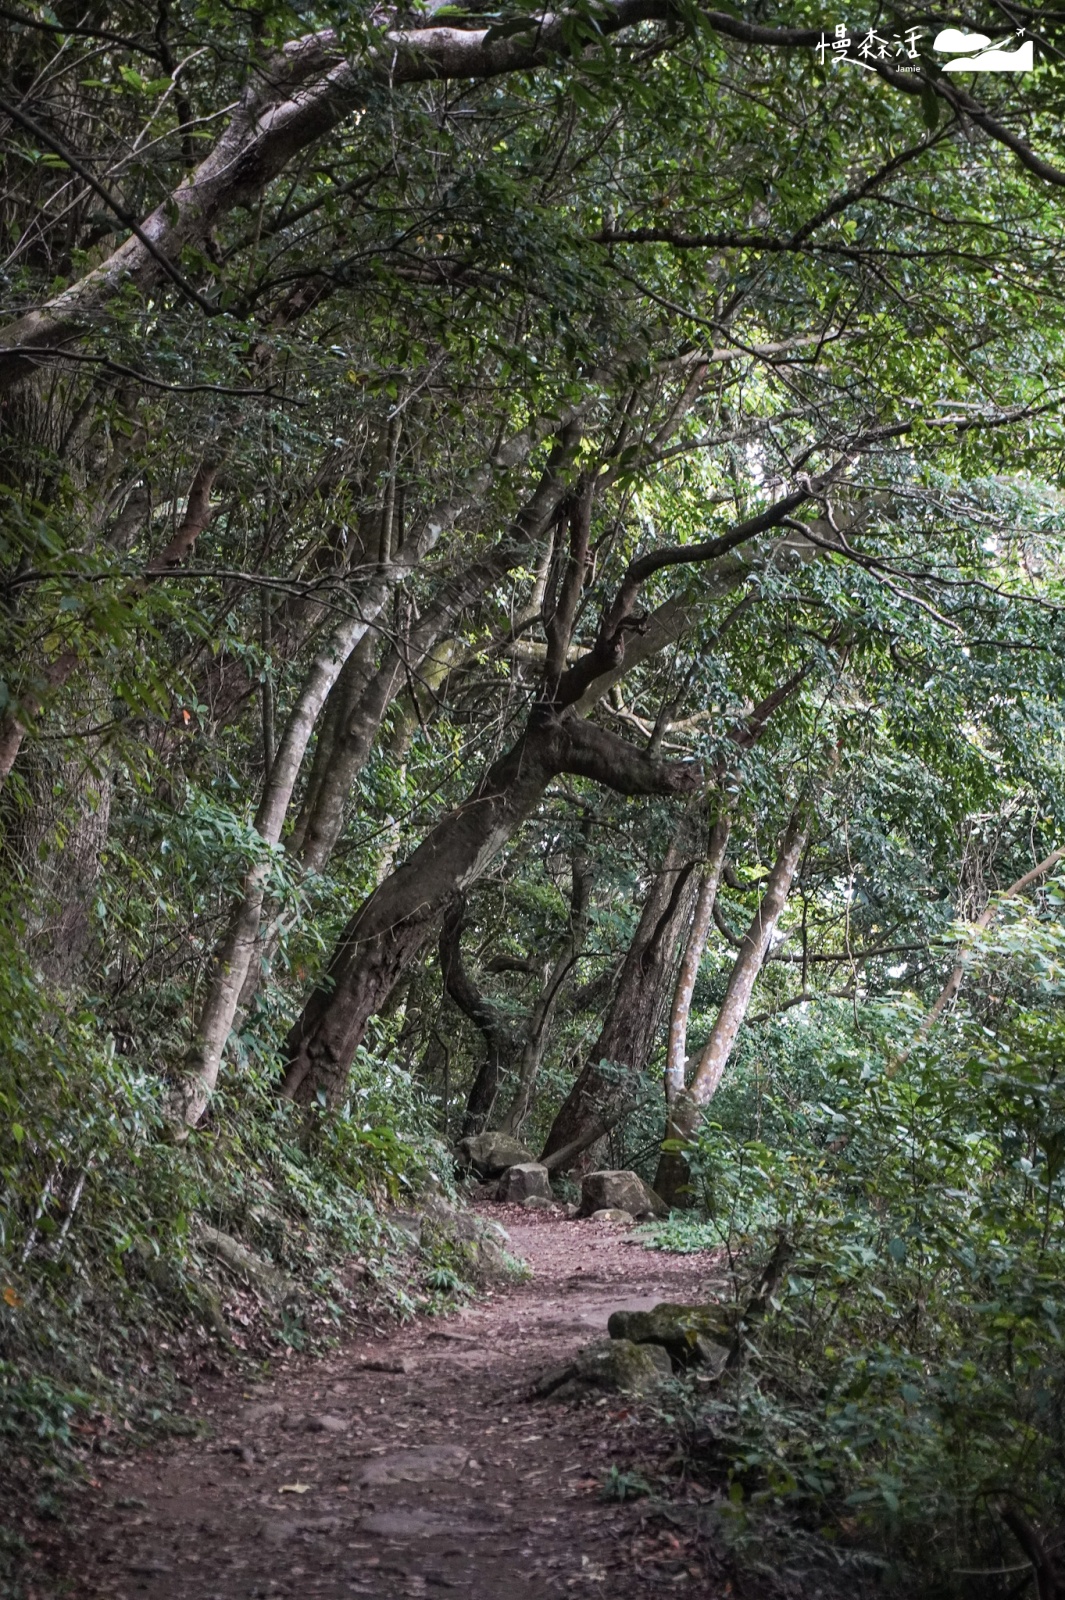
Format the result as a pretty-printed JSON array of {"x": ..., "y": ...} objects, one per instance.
[
  {"x": 691, "y": 1335},
  {"x": 490, "y": 1154},
  {"x": 481, "y": 1244},
  {"x": 266, "y": 1280},
  {"x": 611, "y": 1366}
]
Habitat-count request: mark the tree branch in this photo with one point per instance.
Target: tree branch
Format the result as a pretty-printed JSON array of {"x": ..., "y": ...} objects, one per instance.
[
  {"x": 591, "y": 752},
  {"x": 460, "y": 986},
  {"x": 310, "y": 88},
  {"x": 70, "y": 160}
]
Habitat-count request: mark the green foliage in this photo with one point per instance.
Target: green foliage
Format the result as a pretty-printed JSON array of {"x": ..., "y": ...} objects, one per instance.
[
  {"x": 111, "y": 1293},
  {"x": 906, "y": 1388},
  {"x": 749, "y": 274},
  {"x": 621, "y": 1486}
]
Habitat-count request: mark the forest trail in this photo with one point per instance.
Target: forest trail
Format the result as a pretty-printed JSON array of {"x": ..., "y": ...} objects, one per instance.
[{"x": 415, "y": 1464}]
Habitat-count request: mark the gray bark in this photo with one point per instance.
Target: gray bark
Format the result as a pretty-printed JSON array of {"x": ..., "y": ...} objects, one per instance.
[
  {"x": 239, "y": 945},
  {"x": 687, "y": 1107},
  {"x": 677, "y": 1049}
]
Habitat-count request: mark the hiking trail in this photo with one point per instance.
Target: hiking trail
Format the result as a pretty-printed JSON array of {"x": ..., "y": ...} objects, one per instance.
[{"x": 416, "y": 1464}]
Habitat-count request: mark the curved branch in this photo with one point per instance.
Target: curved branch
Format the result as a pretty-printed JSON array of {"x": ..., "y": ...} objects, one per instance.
[
  {"x": 588, "y": 751},
  {"x": 309, "y": 89}
]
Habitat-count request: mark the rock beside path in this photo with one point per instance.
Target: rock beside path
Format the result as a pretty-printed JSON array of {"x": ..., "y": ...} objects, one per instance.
[
  {"x": 483, "y": 1242},
  {"x": 526, "y": 1180},
  {"x": 620, "y": 1191},
  {"x": 690, "y": 1335},
  {"x": 490, "y": 1154},
  {"x": 610, "y": 1366}
]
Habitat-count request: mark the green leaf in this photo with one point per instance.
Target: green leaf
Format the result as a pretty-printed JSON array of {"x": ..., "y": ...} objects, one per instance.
[{"x": 931, "y": 107}]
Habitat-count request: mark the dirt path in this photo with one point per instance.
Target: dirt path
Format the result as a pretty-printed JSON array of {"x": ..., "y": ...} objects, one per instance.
[{"x": 339, "y": 1478}]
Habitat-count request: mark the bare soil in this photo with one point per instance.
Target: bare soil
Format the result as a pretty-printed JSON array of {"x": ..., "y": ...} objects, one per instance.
[{"x": 416, "y": 1464}]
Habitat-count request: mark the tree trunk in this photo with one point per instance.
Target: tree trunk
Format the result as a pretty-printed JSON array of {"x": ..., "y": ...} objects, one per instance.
[
  {"x": 637, "y": 1008},
  {"x": 318, "y": 810},
  {"x": 233, "y": 955},
  {"x": 688, "y": 1104},
  {"x": 361, "y": 697},
  {"x": 499, "y": 1042},
  {"x": 323, "y": 822},
  {"x": 235, "y": 951},
  {"x": 398, "y": 918},
  {"x": 238, "y": 946},
  {"x": 677, "y": 1049},
  {"x": 627, "y": 1037}
]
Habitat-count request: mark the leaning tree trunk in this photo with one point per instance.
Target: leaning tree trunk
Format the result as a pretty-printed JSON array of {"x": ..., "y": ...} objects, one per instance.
[
  {"x": 321, "y": 818},
  {"x": 688, "y": 1104},
  {"x": 396, "y": 921},
  {"x": 628, "y": 1033},
  {"x": 240, "y": 943},
  {"x": 233, "y": 955},
  {"x": 361, "y": 696},
  {"x": 390, "y": 928},
  {"x": 329, "y": 753}
]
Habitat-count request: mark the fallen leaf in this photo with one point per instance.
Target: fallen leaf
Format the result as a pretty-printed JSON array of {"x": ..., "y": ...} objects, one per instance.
[
  {"x": 12, "y": 1297},
  {"x": 294, "y": 1488}
]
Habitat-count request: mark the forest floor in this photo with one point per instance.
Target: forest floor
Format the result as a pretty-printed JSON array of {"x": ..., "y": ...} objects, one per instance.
[{"x": 414, "y": 1463}]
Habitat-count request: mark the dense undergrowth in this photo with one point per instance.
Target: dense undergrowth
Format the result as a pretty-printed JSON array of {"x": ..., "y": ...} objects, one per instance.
[
  {"x": 898, "y": 1419},
  {"x": 131, "y": 1265}
]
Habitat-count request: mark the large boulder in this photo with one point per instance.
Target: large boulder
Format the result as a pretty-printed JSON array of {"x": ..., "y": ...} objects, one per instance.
[
  {"x": 690, "y": 1335},
  {"x": 610, "y": 1366},
  {"x": 620, "y": 1191},
  {"x": 526, "y": 1180},
  {"x": 490, "y": 1154}
]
